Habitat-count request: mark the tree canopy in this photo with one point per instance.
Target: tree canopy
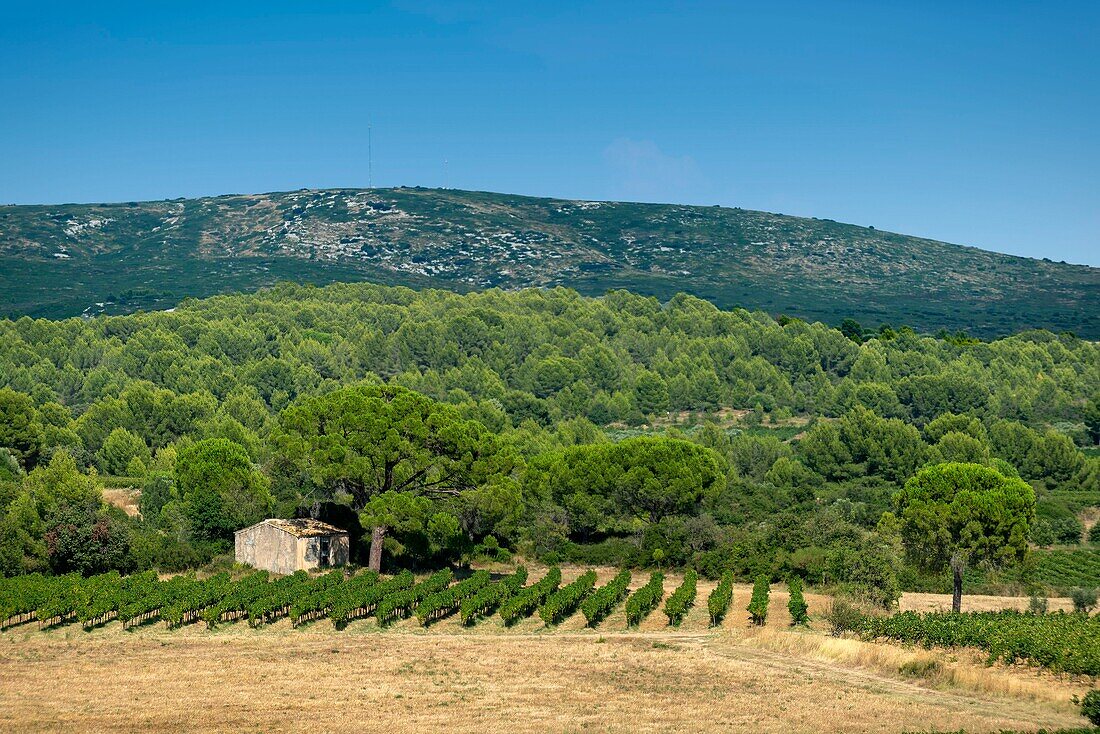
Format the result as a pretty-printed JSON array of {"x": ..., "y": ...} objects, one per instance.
[
  {"x": 608, "y": 484},
  {"x": 20, "y": 430},
  {"x": 956, "y": 514},
  {"x": 220, "y": 489},
  {"x": 382, "y": 444},
  {"x": 542, "y": 419}
]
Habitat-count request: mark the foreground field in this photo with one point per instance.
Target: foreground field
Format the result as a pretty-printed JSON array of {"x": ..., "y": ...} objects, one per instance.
[{"x": 276, "y": 679}]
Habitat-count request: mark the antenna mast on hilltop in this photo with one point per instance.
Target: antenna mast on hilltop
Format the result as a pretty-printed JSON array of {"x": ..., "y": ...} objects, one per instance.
[{"x": 370, "y": 161}]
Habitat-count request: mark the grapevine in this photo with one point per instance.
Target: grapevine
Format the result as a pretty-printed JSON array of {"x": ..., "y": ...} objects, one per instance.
[
  {"x": 361, "y": 597},
  {"x": 604, "y": 600},
  {"x": 681, "y": 600},
  {"x": 1062, "y": 642},
  {"x": 645, "y": 600},
  {"x": 526, "y": 600},
  {"x": 491, "y": 596},
  {"x": 565, "y": 600},
  {"x": 402, "y": 603},
  {"x": 758, "y": 604},
  {"x": 441, "y": 603},
  {"x": 718, "y": 603}
]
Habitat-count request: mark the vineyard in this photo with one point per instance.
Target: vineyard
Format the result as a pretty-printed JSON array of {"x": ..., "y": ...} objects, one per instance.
[
  {"x": 1068, "y": 643},
  {"x": 1065, "y": 569},
  {"x": 1062, "y": 642},
  {"x": 261, "y": 599}
]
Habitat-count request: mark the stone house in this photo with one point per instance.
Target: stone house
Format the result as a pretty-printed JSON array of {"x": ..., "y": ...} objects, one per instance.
[{"x": 286, "y": 546}]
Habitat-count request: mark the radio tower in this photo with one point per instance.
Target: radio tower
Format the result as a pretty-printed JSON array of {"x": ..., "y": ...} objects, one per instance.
[{"x": 370, "y": 161}]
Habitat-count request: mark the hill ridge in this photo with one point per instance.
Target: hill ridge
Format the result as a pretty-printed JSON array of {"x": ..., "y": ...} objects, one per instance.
[{"x": 118, "y": 257}]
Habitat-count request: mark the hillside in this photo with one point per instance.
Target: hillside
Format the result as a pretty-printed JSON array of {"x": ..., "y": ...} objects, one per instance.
[{"x": 63, "y": 260}]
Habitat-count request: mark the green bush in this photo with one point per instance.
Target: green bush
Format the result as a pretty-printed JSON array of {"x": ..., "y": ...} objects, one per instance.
[
  {"x": 1084, "y": 600},
  {"x": 618, "y": 552},
  {"x": 843, "y": 616},
  {"x": 1090, "y": 706},
  {"x": 1038, "y": 604}
]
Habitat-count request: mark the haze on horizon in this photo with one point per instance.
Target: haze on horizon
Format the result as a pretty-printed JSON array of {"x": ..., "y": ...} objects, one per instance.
[{"x": 968, "y": 124}]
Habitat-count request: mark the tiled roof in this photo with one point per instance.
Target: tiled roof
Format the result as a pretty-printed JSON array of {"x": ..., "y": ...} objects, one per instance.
[{"x": 303, "y": 527}]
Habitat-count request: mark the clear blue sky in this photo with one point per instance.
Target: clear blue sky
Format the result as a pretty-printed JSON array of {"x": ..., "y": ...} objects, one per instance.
[{"x": 972, "y": 122}]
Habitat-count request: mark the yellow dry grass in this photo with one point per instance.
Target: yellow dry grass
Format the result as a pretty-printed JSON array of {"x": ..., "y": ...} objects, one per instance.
[
  {"x": 959, "y": 669},
  {"x": 283, "y": 680},
  {"x": 125, "y": 499},
  {"x": 916, "y": 602},
  {"x": 520, "y": 679}
]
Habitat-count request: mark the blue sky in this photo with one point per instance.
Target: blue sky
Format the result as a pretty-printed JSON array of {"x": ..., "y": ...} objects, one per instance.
[{"x": 975, "y": 123}]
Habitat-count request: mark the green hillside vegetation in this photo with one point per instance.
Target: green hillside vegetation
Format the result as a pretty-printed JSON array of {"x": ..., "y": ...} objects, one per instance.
[
  {"x": 614, "y": 430},
  {"x": 117, "y": 258}
]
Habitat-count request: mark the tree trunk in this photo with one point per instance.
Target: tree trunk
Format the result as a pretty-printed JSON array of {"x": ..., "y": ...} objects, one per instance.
[
  {"x": 377, "y": 534},
  {"x": 957, "y": 566}
]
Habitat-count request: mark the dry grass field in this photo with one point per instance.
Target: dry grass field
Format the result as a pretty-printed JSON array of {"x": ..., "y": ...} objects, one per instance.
[
  {"x": 914, "y": 602},
  {"x": 520, "y": 679},
  {"x": 123, "y": 498}
]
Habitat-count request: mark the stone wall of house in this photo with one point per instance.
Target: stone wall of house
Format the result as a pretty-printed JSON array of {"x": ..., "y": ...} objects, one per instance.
[
  {"x": 266, "y": 547},
  {"x": 309, "y": 551}
]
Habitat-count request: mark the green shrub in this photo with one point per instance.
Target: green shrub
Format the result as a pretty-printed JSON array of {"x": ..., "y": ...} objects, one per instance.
[
  {"x": 1090, "y": 706},
  {"x": 618, "y": 552},
  {"x": 1084, "y": 600},
  {"x": 843, "y": 616},
  {"x": 1038, "y": 604},
  {"x": 920, "y": 668}
]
